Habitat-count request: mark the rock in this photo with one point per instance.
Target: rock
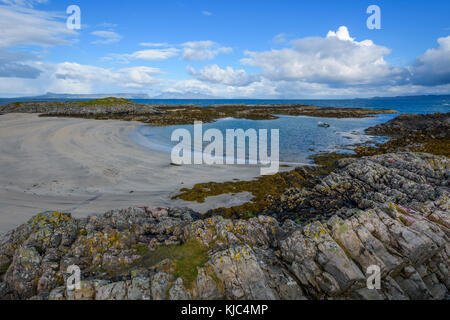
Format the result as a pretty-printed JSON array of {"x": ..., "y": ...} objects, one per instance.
[
  {"x": 85, "y": 292},
  {"x": 160, "y": 285},
  {"x": 239, "y": 271},
  {"x": 112, "y": 291},
  {"x": 139, "y": 289},
  {"x": 57, "y": 294},
  {"x": 178, "y": 291},
  {"x": 206, "y": 286},
  {"x": 3, "y": 290},
  {"x": 23, "y": 272},
  {"x": 391, "y": 211},
  {"x": 412, "y": 284}
]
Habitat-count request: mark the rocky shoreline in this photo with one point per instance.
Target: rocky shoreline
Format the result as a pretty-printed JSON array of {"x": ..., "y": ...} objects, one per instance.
[
  {"x": 401, "y": 224},
  {"x": 163, "y": 115},
  {"x": 310, "y": 233}
]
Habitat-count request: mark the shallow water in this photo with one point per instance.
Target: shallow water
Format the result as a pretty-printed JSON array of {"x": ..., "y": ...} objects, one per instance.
[{"x": 300, "y": 137}]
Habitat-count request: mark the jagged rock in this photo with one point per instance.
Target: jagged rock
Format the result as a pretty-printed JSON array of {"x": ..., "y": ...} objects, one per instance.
[
  {"x": 238, "y": 269},
  {"x": 178, "y": 291},
  {"x": 57, "y": 294},
  {"x": 319, "y": 262},
  {"x": 3, "y": 289},
  {"x": 207, "y": 288},
  {"x": 160, "y": 285},
  {"x": 85, "y": 292},
  {"x": 139, "y": 289},
  {"x": 23, "y": 272},
  {"x": 391, "y": 211},
  {"x": 413, "y": 285}
]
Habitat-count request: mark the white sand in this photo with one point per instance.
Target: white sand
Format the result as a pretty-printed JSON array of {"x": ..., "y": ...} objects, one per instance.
[{"x": 87, "y": 167}]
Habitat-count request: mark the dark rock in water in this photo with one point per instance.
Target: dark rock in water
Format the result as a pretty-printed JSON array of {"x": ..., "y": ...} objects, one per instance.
[
  {"x": 437, "y": 123},
  {"x": 391, "y": 211},
  {"x": 371, "y": 182},
  {"x": 323, "y": 125}
]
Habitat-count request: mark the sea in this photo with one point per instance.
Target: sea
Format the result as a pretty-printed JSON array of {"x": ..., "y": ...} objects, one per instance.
[{"x": 299, "y": 137}]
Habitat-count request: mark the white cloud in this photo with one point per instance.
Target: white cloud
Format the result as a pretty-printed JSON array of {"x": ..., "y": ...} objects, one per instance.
[
  {"x": 433, "y": 67},
  {"x": 337, "y": 60},
  {"x": 17, "y": 65},
  {"x": 154, "y": 44},
  {"x": 24, "y": 3},
  {"x": 228, "y": 76},
  {"x": 190, "y": 51},
  {"x": 202, "y": 50},
  {"x": 86, "y": 78},
  {"x": 207, "y": 13},
  {"x": 154, "y": 54},
  {"x": 106, "y": 37},
  {"x": 279, "y": 38},
  {"x": 107, "y": 25},
  {"x": 26, "y": 26},
  {"x": 342, "y": 34}
]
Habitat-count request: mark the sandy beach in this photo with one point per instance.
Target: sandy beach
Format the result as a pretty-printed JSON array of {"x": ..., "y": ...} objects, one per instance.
[{"x": 88, "y": 166}]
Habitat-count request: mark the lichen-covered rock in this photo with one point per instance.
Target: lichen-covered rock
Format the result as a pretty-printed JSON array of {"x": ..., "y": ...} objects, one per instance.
[
  {"x": 178, "y": 291},
  {"x": 390, "y": 211},
  {"x": 160, "y": 285},
  {"x": 207, "y": 287},
  {"x": 238, "y": 269},
  {"x": 23, "y": 272},
  {"x": 139, "y": 289}
]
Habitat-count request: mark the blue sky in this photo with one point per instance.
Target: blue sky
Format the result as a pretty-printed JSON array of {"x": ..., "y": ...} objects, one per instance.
[{"x": 247, "y": 48}]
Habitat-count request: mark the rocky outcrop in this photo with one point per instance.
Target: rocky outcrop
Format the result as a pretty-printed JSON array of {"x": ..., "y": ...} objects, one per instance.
[
  {"x": 397, "y": 219},
  {"x": 163, "y": 115},
  {"x": 371, "y": 182},
  {"x": 100, "y": 107},
  {"x": 437, "y": 123}
]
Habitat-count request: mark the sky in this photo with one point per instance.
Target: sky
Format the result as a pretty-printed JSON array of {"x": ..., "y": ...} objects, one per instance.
[{"x": 280, "y": 49}]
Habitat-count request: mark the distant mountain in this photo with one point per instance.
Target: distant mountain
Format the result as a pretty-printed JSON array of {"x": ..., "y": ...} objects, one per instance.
[
  {"x": 186, "y": 96},
  {"x": 50, "y": 95},
  {"x": 413, "y": 97}
]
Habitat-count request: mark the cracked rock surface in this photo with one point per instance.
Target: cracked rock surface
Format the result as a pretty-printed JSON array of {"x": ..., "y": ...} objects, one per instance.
[{"x": 391, "y": 211}]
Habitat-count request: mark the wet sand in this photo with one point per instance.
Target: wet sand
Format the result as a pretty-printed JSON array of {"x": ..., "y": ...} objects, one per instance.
[{"x": 88, "y": 166}]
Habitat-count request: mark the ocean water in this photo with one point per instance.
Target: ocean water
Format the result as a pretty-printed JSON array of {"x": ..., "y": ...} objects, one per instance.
[
  {"x": 417, "y": 104},
  {"x": 300, "y": 137},
  {"x": 413, "y": 104}
]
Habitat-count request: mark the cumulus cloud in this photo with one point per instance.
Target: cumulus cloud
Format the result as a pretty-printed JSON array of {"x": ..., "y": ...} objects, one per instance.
[
  {"x": 77, "y": 74},
  {"x": 106, "y": 37},
  {"x": 336, "y": 60},
  {"x": 189, "y": 51},
  {"x": 27, "y": 26},
  {"x": 16, "y": 65},
  {"x": 433, "y": 67},
  {"x": 202, "y": 50},
  {"x": 228, "y": 76}
]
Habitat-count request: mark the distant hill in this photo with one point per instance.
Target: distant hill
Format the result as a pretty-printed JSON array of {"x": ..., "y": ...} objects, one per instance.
[
  {"x": 413, "y": 97},
  {"x": 188, "y": 95}
]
